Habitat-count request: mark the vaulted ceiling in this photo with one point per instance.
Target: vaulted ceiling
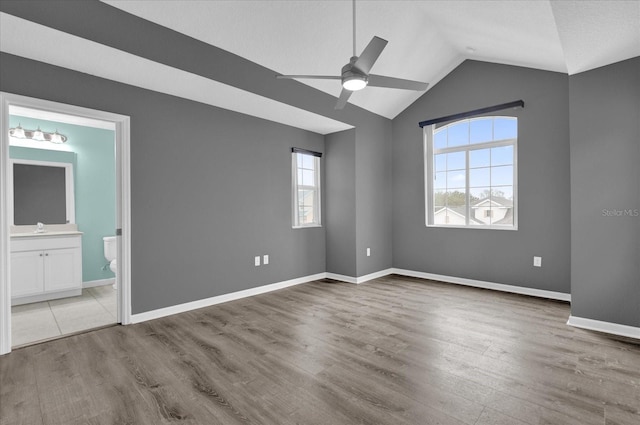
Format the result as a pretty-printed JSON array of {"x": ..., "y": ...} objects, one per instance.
[{"x": 427, "y": 40}]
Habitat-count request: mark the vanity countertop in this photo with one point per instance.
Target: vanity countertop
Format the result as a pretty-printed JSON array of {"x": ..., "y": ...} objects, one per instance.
[{"x": 49, "y": 230}]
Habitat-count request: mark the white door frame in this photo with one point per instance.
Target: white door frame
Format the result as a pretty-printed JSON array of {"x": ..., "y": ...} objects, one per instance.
[{"x": 123, "y": 203}]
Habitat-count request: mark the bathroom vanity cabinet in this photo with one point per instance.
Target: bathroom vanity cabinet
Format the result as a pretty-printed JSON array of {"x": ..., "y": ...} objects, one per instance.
[{"x": 45, "y": 266}]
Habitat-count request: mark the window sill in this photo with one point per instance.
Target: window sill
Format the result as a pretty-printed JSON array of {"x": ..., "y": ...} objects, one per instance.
[
  {"x": 444, "y": 226},
  {"x": 308, "y": 226}
]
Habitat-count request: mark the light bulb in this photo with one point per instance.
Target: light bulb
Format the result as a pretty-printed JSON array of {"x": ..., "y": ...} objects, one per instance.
[
  {"x": 57, "y": 138},
  {"x": 17, "y": 132},
  {"x": 354, "y": 83},
  {"x": 38, "y": 135}
]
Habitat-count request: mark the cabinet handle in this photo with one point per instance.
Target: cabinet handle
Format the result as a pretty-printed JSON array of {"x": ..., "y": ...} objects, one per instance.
[
  {"x": 47, "y": 254},
  {"x": 41, "y": 255}
]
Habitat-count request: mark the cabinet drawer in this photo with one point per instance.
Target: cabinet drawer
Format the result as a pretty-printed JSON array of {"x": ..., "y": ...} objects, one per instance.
[{"x": 45, "y": 242}]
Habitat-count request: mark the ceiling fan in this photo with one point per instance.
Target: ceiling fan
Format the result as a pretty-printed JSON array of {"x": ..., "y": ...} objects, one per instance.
[{"x": 355, "y": 75}]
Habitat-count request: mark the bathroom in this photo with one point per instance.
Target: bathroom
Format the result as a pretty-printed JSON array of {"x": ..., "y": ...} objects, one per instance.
[{"x": 80, "y": 153}]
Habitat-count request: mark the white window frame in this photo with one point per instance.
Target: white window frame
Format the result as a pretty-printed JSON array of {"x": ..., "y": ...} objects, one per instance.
[
  {"x": 317, "y": 201},
  {"x": 429, "y": 155}
]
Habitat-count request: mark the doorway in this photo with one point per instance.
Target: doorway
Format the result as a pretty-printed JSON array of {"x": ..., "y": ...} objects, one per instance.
[{"x": 36, "y": 255}]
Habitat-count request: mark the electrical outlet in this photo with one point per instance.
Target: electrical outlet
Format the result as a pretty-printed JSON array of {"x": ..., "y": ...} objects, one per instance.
[
  {"x": 368, "y": 252},
  {"x": 537, "y": 261},
  {"x": 265, "y": 259},
  {"x": 257, "y": 261}
]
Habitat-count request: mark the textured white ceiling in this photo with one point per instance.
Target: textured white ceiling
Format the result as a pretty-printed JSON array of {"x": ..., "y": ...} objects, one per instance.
[{"x": 427, "y": 39}]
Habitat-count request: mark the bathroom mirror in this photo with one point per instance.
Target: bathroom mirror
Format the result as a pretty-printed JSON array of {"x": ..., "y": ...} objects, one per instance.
[{"x": 42, "y": 192}]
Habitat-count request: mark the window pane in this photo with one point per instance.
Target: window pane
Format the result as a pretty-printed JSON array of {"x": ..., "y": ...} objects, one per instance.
[
  {"x": 299, "y": 176},
  {"x": 439, "y": 199},
  {"x": 456, "y": 161},
  {"x": 502, "y": 206},
  {"x": 307, "y": 161},
  {"x": 302, "y": 196},
  {"x": 459, "y": 134},
  {"x": 502, "y": 175},
  {"x": 308, "y": 177},
  {"x": 449, "y": 208},
  {"x": 456, "y": 209},
  {"x": 299, "y": 159},
  {"x": 480, "y": 199},
  {"x": 440, "y": 139},
  {"x": 479, "y": 177},
  {"x": 440, "y": 181},
  {"x": 479, "y": 194},
  {"x": 456, "y": 198},
  {"x": 505, "y": 128},
  {"x": 481, "y": 130},
  {"x": 479, "y": 158},
  {"x": 504, "y": 192},
  {"x": 456, "y": 179},
  {"x": 440, "y": 215},
  {"x": 502, "y": 155},
  {"x": 440, "y": 162}
]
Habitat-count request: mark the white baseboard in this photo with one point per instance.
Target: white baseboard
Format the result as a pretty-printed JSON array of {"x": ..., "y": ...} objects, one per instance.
[
  {"x": 607, "y": 327},
  {"x": 181, "y": 308},
  {"x": 100, "y": 282},
  {"x": 487, "y": 285},
  {"x": 361, "y": 279}
]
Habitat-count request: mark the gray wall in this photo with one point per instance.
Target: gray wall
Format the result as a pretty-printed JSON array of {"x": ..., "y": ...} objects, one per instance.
[
  {"x": 230, "y": 145},
  {"x": 340, "y": 208},
  {"x": 373, "y": 197},
  {"x": 605, "y": 193},
  {"x": 358, "y": 209},
  {"x": 501, "y": 256},
  {"x": 202, "y": 206}
]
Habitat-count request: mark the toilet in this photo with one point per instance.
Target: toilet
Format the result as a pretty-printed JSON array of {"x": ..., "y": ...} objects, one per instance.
[{"x": 111, "y": 252}]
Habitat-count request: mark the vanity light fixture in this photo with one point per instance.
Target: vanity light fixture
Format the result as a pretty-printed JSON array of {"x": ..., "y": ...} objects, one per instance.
[
  {"x": 57, "y": 138},
  {"x": 18, "y": 132},
  {"x": 39, "y": 135}
]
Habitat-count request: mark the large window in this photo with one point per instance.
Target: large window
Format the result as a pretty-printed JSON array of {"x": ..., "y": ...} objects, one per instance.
[
  {"x": 306, "y": 188},
  {"x": 470, "y": 173}
]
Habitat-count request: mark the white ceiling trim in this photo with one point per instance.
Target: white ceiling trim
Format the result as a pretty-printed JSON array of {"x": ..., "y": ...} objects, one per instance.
[{"x": 27, "y": 39}]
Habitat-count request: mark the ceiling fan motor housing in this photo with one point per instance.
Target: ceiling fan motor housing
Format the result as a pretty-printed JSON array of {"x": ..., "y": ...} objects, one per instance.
[{"x": 350, "y": 72}]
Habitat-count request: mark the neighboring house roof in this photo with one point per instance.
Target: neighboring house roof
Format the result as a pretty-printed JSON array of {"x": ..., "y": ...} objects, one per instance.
[
  {"x": 461, "y": 211},
  {"x": 494, "y": 200},
  {"x": 507, "y": 219}
]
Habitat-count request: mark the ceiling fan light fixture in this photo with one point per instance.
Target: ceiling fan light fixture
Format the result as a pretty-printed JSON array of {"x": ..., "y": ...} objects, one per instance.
[{"x": 354, "y": 82}]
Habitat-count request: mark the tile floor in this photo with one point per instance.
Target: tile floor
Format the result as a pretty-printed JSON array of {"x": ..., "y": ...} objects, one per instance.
[{"x": 49, "y": 319}]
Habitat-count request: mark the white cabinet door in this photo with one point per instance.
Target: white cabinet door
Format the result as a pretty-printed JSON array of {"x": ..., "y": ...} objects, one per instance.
[
  {"x": 60, "y": 269},
  {"x": 26, "y": 273}
]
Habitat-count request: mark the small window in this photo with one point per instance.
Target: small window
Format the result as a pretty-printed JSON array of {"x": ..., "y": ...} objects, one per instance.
[
  {"x": 306, "y": 188},
  {"x": 470, "y": 173}
]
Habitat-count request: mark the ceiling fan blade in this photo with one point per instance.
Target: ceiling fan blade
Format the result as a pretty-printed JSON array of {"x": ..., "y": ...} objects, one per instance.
[
  {"x": 342, "y": 100},
  {"x": 396, "y": 83},
  {"x": 370, "y": 54},
  {"x": 317, "y": 77}
]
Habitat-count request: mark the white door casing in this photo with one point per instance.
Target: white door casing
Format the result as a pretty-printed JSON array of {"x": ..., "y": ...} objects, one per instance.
[{"x": 123, "y": 202}]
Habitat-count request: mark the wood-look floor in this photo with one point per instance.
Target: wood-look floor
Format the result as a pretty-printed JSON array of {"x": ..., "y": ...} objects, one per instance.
[{"x": 392, "y": 351}]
